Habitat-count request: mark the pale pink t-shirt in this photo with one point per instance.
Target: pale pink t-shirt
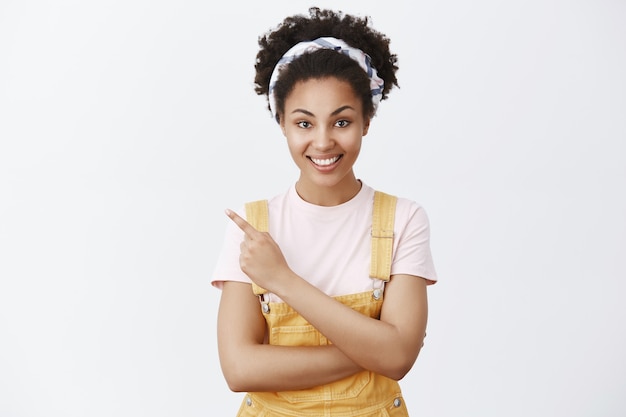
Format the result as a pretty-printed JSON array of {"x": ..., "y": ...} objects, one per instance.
[{"x": 330, "y": 246}]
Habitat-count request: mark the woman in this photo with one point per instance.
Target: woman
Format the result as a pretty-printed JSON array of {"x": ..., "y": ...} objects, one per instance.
[{"x": 324, "y": 306}]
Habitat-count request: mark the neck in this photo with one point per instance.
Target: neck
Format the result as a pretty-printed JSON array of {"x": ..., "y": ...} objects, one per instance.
[{"x": 328, "y": 196}]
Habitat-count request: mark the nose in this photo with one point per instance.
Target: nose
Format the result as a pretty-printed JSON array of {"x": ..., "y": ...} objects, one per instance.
[{"x": 323, "y": 140}]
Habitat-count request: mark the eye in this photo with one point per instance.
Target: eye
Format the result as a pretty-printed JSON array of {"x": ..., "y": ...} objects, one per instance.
[
  {"x": 303, "y": 124},
  {"x": 342, "y": 123}
]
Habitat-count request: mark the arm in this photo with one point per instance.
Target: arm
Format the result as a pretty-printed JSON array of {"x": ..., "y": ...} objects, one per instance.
[
  {"x": 250, "y": 365},
  {"x": 388, "y": 346}
]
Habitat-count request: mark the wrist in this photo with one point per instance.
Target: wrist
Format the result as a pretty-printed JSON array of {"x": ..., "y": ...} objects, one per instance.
[{"x": 285, "y": 282}]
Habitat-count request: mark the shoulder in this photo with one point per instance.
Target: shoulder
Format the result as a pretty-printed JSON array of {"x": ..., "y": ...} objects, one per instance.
[
  {"x": 273, "y": 202},
  {"x": 404, "y": 204},
  {"x": 409, "y": 213},
  {"x": 409, "y": 206}
]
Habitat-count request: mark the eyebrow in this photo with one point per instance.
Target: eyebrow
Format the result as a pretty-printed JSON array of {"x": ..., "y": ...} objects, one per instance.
[{"x": 334, "y": 113}]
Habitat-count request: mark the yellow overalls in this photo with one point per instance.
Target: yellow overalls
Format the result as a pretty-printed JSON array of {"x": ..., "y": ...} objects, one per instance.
[{"x": 363, "y": 394}]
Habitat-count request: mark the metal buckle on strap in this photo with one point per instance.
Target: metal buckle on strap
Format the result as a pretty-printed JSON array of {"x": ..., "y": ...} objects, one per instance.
[
  {"x": 378, "y": 288},
  {"x": 265, "y": 304}
]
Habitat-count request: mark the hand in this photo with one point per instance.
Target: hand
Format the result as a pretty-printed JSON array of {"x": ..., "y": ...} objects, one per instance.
[{"x": 261, "y": 258}]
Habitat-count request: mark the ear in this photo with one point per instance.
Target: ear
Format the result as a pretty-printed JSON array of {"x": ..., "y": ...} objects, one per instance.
[
  {"x": 282, "y": 125},
  {"x": 366, "y": 126}
]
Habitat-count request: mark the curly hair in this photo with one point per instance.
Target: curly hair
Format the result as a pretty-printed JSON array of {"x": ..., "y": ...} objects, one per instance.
[{"x": 353, "y": 30}]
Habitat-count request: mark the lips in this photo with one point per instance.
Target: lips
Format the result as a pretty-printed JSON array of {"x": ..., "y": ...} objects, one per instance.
[{"x": 323, "y": 162}]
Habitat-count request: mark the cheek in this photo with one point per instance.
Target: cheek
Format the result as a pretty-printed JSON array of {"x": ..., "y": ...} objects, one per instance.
[
  {"x": 355, "y": 144},
  {"x": 295, "y": 146},
  {"x": 296, "y": 138}
]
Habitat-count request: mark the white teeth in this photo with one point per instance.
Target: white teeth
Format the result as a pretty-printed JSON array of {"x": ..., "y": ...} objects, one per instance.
[{"x": 325, "y": 162}]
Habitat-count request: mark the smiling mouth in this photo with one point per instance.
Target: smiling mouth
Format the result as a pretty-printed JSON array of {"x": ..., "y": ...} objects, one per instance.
[{"x": 325, "y": 161}]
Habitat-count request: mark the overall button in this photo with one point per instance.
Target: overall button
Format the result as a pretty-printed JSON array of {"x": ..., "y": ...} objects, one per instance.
[
  {"x": 248, "y": 401},
  {"x": 265, "y": 307},
  {"x": 377, "y": 294},
  {"x": 397, "y": 402}
]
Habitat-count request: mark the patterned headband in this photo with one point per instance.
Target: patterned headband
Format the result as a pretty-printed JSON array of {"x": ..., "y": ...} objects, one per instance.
[{"x": 364, "y": 61}]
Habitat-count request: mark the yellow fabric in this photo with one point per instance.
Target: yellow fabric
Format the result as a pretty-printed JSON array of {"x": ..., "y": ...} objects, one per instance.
[
  {"x": 257, "y": 215},
  {"x": 382, "y": 235},
  {"x": 363, "y": 394}
]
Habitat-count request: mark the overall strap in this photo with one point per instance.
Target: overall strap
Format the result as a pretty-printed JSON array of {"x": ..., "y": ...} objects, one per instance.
[
  {"x": 382, "y": 235},
  {"x": 258, "y": 216}
]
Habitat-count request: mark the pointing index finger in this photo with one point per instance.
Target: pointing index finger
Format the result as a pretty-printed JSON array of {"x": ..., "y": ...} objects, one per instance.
[{"x": 246, "y": 227}]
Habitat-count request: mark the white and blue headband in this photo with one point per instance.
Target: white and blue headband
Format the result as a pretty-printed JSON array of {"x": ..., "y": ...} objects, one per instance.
[{"x": 364, "y": 61}]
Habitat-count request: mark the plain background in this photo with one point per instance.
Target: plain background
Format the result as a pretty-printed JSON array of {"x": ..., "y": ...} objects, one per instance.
[{"x": 127, "y": 127}]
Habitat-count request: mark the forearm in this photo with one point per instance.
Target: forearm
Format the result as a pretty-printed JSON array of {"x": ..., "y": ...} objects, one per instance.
[
  {"x": 360, "y": 337},
  {"x": 249, "y": 364},
  {"x": 265, "y": 367},
  {"x": 387, "y": 348}
]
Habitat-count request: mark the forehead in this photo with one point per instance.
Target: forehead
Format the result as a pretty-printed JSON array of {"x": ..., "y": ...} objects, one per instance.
[{"x": 321, "y": 92}]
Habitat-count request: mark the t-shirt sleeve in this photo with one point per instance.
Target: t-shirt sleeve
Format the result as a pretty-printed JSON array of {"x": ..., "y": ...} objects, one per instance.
[
  {"x": 412, "y": 253},
  {"x": 227, "y": 267}
]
